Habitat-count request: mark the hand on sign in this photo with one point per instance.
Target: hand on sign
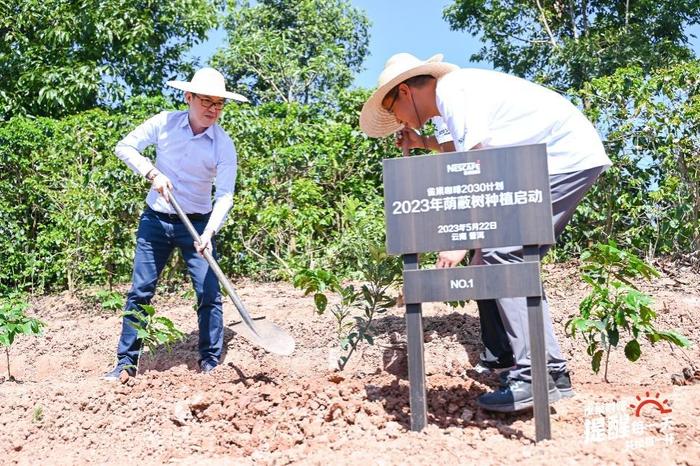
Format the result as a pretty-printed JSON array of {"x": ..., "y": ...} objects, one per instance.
[{"x": 448, "y": 259}]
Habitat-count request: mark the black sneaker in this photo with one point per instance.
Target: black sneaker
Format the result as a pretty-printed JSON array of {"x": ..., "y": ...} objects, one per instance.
[
  {"x": 207, "y": 366},
  {"x": 563, "y": 382},
  {"x": 116, "y": 372},
  {"x": 515, "y": 396}
]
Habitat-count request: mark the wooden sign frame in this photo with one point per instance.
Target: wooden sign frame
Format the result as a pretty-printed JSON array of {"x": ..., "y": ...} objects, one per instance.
[{"x": 477, "y": 199}]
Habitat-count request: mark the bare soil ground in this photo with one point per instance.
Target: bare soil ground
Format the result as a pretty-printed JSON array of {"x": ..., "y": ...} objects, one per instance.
[{"x": 256, "y": 408}]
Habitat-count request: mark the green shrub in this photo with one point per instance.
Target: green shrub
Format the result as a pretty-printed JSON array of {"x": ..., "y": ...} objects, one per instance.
[
  {"x": 153, "y": 331},
  {"x": 69, "y": 208},
  {"x": 356, "y": 308},
  {"x": 616, "y": 305},
  {"x": 14, "y": 322}
]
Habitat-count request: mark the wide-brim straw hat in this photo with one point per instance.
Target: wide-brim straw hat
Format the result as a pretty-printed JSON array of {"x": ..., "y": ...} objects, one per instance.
[
  {"x": 207, "y": 81},
  {"x": 375, "y": 121}
]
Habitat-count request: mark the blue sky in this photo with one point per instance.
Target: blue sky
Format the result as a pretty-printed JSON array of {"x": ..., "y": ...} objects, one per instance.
[{"x": 414, "y": 26}]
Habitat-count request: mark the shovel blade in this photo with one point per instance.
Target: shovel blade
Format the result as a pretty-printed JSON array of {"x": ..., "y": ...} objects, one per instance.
[{"x": 267, "y": 335}]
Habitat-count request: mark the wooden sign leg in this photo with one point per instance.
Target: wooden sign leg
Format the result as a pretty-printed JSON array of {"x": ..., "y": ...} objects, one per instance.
[
  {"x": 538, "y": 358},
  {"x": 416, "y": 360},
  {"x": 538, "y": 363}
]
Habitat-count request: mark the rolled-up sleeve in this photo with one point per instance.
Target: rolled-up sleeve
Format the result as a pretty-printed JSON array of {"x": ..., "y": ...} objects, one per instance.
[
  {"x": 225, "y": 183},
  {"x": 130, "y": 148}
]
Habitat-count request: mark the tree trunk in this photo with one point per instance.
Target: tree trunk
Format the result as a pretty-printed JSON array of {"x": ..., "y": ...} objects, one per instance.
[
  {"x": 572, "y": 14},
  {"x": 694, "y": 190},
  {"x": 7, "y": 353}
]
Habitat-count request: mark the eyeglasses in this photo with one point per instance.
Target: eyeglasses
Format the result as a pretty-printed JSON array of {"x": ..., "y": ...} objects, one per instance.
[
  {"x": 208, "y": 103},
  {"x": 394, "y": 94}
]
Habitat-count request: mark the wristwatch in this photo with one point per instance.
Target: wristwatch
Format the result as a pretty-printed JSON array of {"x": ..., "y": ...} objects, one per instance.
[{"x": 152, "y": 173}]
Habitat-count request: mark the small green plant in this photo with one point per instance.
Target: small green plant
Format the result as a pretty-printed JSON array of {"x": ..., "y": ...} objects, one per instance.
[
  {"x": 357, "y": 308},
  {"x": 38, "y": 415},
  {"x": 14, "y": 322},
  {"x": 615, "y": 304},
  {"x": 153, "y": 330},
  {"x": 110, "y": 300},
  {"x": 189, "y": 293}
]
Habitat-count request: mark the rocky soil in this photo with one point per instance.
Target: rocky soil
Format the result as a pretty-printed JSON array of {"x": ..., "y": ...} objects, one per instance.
[{"x": 257, "y": 408}]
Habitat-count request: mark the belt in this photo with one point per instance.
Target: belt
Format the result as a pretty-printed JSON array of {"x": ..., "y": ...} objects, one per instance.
[{"x": 174, "y": 217}]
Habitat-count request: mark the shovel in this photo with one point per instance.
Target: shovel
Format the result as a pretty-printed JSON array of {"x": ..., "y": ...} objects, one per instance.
[{"x": 262, "y": 333}]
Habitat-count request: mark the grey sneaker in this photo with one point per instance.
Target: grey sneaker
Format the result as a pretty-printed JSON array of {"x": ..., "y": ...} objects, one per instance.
[
  {"x": 563, "y": 382},
  {"x": 561, "y": 379},
  {"x": 516, "y": 395},
  {"x": 116, "y": 372},
  {"x": 207, "y": 366}
]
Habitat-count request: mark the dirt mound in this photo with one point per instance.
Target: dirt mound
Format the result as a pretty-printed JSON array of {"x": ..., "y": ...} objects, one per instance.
[{"x": 262, "y": 409}]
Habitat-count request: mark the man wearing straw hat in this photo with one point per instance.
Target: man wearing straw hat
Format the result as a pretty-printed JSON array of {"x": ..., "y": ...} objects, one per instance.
[
  {"x": 483, "y": 109},
  {"x": 193, "y": 154}
]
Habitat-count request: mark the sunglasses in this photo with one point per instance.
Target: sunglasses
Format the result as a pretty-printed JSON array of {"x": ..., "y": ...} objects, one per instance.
[{"x": 208, "y": 103}]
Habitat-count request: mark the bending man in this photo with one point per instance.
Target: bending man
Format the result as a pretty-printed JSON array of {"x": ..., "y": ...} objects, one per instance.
[{"x": 484, "y": 109}]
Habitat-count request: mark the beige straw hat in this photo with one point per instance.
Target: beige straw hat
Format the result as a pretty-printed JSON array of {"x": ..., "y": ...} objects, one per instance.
[
  {"x": 207, "y": 81},
  {"x": 375, "y": 121}
]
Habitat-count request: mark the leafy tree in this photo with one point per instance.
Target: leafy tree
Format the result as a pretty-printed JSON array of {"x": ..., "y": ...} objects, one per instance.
[
  {"x": 66, "y": 200},
  {"x": 58, "y": 57},
  {"x": 293, "y": 50},
  {"x": 565, "y": 43},
  {"x": 308, "y": 181},
  {"x": 649, "y": 200}
]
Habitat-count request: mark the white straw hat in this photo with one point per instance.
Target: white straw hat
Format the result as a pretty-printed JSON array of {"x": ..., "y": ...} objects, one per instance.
[
  {"x": 375, "y": 121},
  {"x": 207, "y": 81}
]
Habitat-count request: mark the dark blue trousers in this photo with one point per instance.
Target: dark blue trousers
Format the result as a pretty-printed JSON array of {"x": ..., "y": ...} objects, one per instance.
[{"x": 157, "y": 236}]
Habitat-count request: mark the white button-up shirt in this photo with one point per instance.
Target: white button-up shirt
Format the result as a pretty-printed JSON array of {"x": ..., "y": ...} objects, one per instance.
[{"x": 192, "y": 163}]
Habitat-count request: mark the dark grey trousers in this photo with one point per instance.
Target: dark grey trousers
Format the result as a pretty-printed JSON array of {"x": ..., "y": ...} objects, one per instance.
[{"x": 504, "y": 324}]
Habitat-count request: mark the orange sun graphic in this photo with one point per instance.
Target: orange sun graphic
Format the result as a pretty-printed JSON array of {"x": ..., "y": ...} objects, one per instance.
[{"x": 653, "y": 402}]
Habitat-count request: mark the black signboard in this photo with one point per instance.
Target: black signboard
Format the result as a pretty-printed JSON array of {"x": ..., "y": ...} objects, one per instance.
[{"x": 468, "y": 200}]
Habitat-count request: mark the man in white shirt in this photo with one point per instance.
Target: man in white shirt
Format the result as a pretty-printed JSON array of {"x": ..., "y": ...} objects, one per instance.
[
  {"x": 482, "y": 109},
  {"x": 193, "y": 154}
]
